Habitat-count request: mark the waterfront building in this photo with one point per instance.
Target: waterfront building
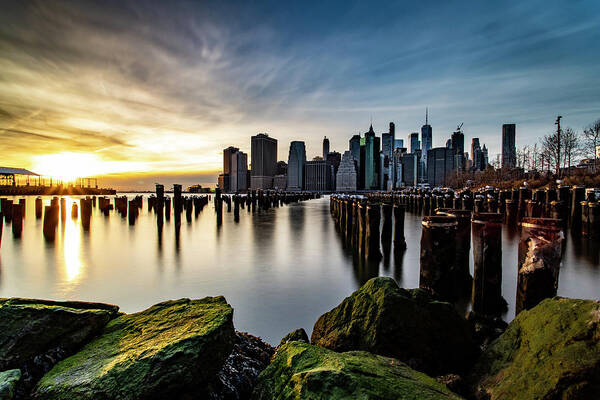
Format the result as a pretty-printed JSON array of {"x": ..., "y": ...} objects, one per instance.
[
  {"x": 413, "y": 140},
  {"x": 296, "y": 161},
  {"x": 238, "y": 172},
  {"x": 264, "y": 161},
  {"x": 318, "y": 176},
  {"x": 509, "y": 149},
  {"x": 440, "y": 164},
  {"x": 346, "y": 178},
  {"x": 325, "y": 147},
  {"x": 280, "y": 182}
]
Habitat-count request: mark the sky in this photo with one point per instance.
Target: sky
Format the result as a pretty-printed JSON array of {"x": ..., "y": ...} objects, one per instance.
[{"x": 139, "y": 92}]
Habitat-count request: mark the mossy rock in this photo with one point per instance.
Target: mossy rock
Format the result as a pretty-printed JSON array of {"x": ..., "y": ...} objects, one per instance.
[
  {"x": 295, "y": 335},
  {"x": 172, "y": 348},
  {"x": 409, "y": 325},
  {"x": 549, "y": 352},
  {"x": 36, "y": 334},
  {"x": 8, "y": 383},
  {"x": 303, "y": 371}
]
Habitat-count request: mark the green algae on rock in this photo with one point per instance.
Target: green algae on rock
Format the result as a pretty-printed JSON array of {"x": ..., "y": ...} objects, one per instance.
[
  {"x": 549, "y": 352},
  {"x": 303, "y": 371},
  {"x": 295, "y": 335},
  {"x": 36, "y": 334},
  {"x": 409, "y": 325},
  {"x": 172, "y": 348},
  {"x": 8, "y": 383}
]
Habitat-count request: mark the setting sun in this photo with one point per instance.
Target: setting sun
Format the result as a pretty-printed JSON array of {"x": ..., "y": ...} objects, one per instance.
[{"x": 68, "y": 166}]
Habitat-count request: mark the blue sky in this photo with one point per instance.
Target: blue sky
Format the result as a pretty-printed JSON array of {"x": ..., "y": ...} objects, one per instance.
[{"x": 163, "y": 87}]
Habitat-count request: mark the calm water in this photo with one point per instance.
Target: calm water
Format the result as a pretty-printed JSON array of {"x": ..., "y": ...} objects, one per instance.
[{"x": 280, "y": 270}]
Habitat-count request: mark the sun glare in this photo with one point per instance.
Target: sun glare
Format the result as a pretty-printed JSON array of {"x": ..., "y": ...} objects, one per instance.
[{"x": 68, "y": 166}]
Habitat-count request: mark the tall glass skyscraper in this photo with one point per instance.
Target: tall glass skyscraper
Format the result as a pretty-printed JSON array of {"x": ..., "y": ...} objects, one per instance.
[
  {"x": 426, "y": 140},
  {"x": 296, "y": 161},
  {"x": 509, "y": 149}
]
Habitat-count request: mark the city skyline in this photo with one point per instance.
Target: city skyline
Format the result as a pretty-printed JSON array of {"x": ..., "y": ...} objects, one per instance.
[{"x": 114, "y": 88}]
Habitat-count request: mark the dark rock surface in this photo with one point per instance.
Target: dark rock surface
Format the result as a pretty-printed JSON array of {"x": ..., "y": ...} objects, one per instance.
[
  {"x": 409, "y": 325},
  {"x": 8, "y": 383},
  {"x": 238, "y": 376}
]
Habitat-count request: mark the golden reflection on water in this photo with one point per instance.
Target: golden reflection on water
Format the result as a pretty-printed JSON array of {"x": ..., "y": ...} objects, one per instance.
[{"x": 72, "y": 250}]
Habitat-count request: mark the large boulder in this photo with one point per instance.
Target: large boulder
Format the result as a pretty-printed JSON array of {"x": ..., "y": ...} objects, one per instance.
[
  {"x": 169, "y": 350},
  {"x": 549, "y": 352},
  {"x": 409, "y": 325},
  {"x": 303, "y": 371},
  {"x": 298, "y": 335},
  {"x": 36, "y": 334},
  {"x": 8, "y": 383}
]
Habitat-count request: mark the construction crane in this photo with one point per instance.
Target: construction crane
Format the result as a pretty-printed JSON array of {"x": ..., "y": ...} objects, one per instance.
[{"x": 459, "y": 126}]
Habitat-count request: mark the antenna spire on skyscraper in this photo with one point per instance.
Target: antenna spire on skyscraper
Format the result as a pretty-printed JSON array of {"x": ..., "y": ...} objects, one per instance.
[{"x": 426, "y": 116}]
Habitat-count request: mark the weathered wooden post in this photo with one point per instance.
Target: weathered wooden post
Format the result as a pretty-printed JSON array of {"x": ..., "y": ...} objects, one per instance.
[
  {"x": 511, "y": 212},
  {"x": 22, "y": 203},
  {"x": 74, "y": 211},
  {"x": 585, "y": 218},
  {"x": 17, "y": 220},
  {"x": 372, "y": 238},
  {"x": 355, "y": 228},
  {"x": 558, "y": 211},
  {"x": 540, "y": 253},
  {"x": 386, "y": 228},
  {"x": 577, "y": 196},
  {"x": 63, "y": 209},
  {"x": 236, "y": 208},
  {"x": 50, "y": 222},
  {"x": 461, "y": 274},
  {"x": 349, "y": 219},
  {"x": 399, "y": 239},
  {"x": 438, "y": 255},
  {"x": 533, "y": 209},
  {"x": 86, "y": 213},
  {"x": 7, "y": 209},
  {"x": 362, "y": 228},
  {"x": 487, "y": 264},
  {"x": 593, "y": 219},
  {"x": 39, "y": 207}
]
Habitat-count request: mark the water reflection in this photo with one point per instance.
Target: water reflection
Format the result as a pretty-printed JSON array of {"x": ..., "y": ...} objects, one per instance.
[{"x": 280, "y": 269}]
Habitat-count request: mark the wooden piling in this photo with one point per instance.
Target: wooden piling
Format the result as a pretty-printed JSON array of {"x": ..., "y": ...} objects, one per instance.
[
  {"x": 399, "y": 239},
  {"x": 438, "y": 255},
  {"x": 17, "y": 220},
  {"x": 487, "y": 264},
  {"x": 540, "y": 253}
]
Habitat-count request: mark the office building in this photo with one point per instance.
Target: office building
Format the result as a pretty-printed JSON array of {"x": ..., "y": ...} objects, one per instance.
[
  {"x": 410, "y": 168},
  {"x": 458, "y": 146},
  {"x": 296, "y": 161},
  {"x": 346, "y": 178},
  {"x": 440, "y": 164},
  {"x": 354, "y": 147},
  {"x": 398, "y": 144},
  {"x": 413, "y": 140},
  {"x": 280, "y": 182},
  {"x": 369, "y": 160},
  {"x": 325, "y": 147},
  {"x": 264, "y": 161},
  {"x": 509, "y": 149},
  {"x": 239, "y": 172},
  {"x": 318, "y": 176}
]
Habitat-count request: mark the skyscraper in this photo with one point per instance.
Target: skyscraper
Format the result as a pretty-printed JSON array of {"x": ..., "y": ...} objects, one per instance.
[
  {"x": 347, "y": 177},
  {"x": 354, "y": 147},
  {"x": 509, "y": 149},
  {"x": 325, "y": 147},
  {"x": 239, "y": 172},
  {"x": 296, "y": 161},
  {"x": 426, "y": 138},
  {"x": 370, "y": 159},
  {"x": 458, "y": 146},
  {"x": 413, "y": 139},
  {"x": 318, "y": 175},
  {"x": 440, "y": 164},
  {"x": 476, "y": 154},
  {"x": 264, "y": 161}
]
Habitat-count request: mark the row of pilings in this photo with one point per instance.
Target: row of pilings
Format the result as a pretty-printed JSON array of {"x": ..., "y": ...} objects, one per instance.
[
  {"x": 452, "y": 224},
  {"x": 162, "y": 206}
]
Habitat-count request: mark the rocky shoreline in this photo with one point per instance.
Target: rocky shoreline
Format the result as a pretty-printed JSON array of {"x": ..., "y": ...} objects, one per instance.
[{"x": 382, "y": 342}]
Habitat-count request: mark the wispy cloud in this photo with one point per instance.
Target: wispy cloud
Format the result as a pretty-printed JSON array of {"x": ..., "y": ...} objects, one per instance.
[{"x": 169, "y": 85}]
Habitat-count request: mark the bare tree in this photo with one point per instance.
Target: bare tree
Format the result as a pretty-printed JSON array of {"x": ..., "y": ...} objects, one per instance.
[
  {"x": 570, "y": 144},
  {"x": 551, "y": 151},
  {"x": 591, "y": 136}
]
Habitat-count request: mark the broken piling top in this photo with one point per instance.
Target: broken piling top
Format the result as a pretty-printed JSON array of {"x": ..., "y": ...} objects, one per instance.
[
  {"x": 459, "y": 214},
  {"x": 487, "y": 218},
  {"x": 439, "y": 221}
]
